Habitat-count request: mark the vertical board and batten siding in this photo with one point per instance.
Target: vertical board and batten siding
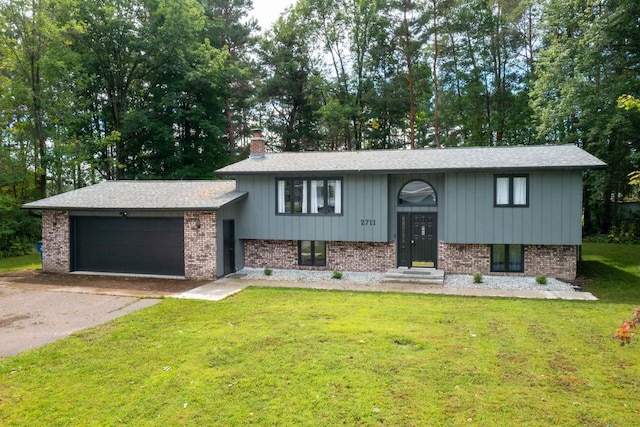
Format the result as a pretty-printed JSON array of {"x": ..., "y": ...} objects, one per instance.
[
  {"x": 553, "y": 216},
  {"x": 396, "y": 182},
  {"x": 364, "y": 197}
]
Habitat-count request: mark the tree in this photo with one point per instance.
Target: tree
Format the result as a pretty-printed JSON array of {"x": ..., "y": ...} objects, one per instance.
[
  {"x": 29, "y": 40},
  {"x": 588, "y": 59},
  {"x": 174, "y": 125},
  {"x": 229, "y": 29},
  {"x": 290, "y": 83}
]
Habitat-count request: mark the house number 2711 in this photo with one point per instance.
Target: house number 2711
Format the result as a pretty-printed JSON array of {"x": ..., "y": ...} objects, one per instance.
[{"x": 368, "y": 222}]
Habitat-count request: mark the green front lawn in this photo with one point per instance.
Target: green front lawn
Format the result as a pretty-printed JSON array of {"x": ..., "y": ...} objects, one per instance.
[
  {"x": 25, "y": 262},
  {"x": 288, "y": 357}
]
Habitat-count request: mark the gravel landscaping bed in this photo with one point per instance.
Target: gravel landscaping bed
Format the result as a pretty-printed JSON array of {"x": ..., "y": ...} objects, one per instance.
[
  {"x": 504, "y": 282},
  {"x": 451, "y": 281},
  {"x": 351, "y": 277}
]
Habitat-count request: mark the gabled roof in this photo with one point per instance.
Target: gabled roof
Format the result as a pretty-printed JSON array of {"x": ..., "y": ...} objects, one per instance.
[
  {"x": 427, "y": 160},
  {"x": 145, "y": 195}
]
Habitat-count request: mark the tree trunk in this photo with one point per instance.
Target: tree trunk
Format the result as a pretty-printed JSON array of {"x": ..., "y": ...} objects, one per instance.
[
  {"x": 39, "y": 136},
  {"x": 436, "y": 124},
  {"x": 412, "y": 98},
  {"x": 230, "y": 128}
]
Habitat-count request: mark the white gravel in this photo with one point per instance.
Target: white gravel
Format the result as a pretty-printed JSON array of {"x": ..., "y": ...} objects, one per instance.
[
  {"x": 351, "y": 277},
  {"x": 451, "y": 281},
  {"x": 507, "y": 282}
]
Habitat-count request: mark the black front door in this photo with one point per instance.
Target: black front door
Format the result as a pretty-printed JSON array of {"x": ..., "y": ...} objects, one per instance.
[
  {"x": 229, "y": 239},
  {"x": 417, "y": 242}
]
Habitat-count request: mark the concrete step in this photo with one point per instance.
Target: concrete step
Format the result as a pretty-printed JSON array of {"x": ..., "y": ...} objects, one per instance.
[
  {"x": 429, "y": 276},
  {"x": 413, "y": 281}
]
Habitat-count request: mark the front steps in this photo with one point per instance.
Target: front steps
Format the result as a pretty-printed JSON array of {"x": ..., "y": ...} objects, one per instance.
[{"x": 425, "y": 276}]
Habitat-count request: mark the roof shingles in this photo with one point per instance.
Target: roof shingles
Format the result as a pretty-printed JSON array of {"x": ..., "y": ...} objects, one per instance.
[
  {"x": 160, "y": 195},
  {"x": 421, "y": 160}
]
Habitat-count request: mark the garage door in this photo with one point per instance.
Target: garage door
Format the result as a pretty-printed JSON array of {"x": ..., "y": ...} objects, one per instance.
[{"x": 128, "y": 245}]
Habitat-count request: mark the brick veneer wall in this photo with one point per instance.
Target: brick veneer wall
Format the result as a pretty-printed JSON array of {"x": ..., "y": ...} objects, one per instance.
[
  {"x": 558, "y": 261},
  {"x": 342, "y": 256},
  {"x": 551, "y": 260},
  {"x": 271, "y": 254},
  {"x": 464, "y": 258},
  {"x": 361, "y": 256},
  {"x": 55, "y": 241},
  {"x": 200, "y": 245}
]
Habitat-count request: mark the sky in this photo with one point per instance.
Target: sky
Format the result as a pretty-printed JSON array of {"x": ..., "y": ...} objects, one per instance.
[{"x": 267, "y": 11}]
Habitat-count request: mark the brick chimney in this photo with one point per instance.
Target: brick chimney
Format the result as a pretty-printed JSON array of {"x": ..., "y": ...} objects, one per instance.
[{"x": 257, "y": 145}]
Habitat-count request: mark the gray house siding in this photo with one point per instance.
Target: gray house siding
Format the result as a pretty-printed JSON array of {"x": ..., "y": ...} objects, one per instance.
[
  {"x": 364, "y": 207},
  {"x": 553, "y": 216}
]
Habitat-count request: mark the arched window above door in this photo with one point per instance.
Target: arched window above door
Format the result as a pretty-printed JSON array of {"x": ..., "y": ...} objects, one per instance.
[{"x": 417, "y": 193}]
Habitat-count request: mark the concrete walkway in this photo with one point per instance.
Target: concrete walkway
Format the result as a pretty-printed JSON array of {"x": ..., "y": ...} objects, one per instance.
[
  {"x": 214, "y": 291},
  {"x": 227, "y": 286}
]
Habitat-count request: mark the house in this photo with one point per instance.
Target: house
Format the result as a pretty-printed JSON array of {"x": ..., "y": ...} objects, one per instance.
[{"x": 489, "y": 210}]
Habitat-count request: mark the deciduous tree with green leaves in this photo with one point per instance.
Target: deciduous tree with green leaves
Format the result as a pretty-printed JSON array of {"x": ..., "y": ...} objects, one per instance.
[{"x": 589, "y": 59}]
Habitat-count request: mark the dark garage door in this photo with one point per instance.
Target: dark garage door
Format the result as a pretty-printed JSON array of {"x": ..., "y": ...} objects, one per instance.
[{"x": 128, "y": 245}]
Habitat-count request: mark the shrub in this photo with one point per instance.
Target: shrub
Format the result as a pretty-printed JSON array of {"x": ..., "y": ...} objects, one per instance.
[
  {"x": 477, "y": 278},
  {"x": 629, "y": 328},
  {"x": 268, "y": 271},
  {"x": 336, "y": 274},
  {"x": 627, "y": 232},
  {"x": 542, "y": 280}
]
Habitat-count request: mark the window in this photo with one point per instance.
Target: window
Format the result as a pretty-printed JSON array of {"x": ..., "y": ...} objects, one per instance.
[
  {"x": 508, "y": 258},
  {"x": 417, "y": 193},
  {"x": 311, "y": 252},
  {"x": 512, "y": 190},
  {"x": 309, "y": 196}
]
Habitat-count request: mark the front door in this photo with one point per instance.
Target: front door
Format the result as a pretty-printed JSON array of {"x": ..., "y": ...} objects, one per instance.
[
  {"x": 229, "y": 242},
  {"x": 417, "y": 242}
]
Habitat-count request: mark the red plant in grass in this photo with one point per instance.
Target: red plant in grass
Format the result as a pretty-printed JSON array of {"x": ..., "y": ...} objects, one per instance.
[{"x": 629, "y": 328}]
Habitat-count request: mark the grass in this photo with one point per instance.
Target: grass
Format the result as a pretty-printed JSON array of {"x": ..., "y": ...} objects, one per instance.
[
  {"x": 25, "y": 262},
  {"x": 292, "y": 357}
]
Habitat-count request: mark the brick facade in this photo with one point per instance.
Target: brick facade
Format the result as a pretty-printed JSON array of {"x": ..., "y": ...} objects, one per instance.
[
  {"x": 539, "y": 260},
  {"x": 361, "y": 256},
  {"x": 271, "y": 254},
  {"x": 200, "y": 245},
  {"x": 55, "y": 241},
  {"x": 341, "y": 256},
  {"x": 464, "y": 258},
  {"x": 551, "y": 260}
]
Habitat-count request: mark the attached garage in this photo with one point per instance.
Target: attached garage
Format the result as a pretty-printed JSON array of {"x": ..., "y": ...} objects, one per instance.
[
  {"x": 128, "y": 245},
  {"x": 162, "y": 228}
]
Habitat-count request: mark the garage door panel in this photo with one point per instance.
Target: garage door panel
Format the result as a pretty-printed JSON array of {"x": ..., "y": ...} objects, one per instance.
[{"x": 129, "y": 245}]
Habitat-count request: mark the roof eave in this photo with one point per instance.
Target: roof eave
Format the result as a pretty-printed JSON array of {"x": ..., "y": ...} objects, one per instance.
[
  {"x": 31, "y": 206},
  {"x": 407, "y": 171}
]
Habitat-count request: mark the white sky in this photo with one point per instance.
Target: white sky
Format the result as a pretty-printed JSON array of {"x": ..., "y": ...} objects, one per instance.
[{"x": 267, "y": 11}]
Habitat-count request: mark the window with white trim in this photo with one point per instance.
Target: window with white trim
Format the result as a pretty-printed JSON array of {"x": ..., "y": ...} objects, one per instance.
[
  {"x": 317, "y": 196},
  {"x": 511, "y": 190}
]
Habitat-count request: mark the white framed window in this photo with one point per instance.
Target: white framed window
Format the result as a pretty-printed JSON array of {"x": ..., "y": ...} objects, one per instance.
[
  {"x": 317, "y": 196},
  {"x": 511, "y": 190}
]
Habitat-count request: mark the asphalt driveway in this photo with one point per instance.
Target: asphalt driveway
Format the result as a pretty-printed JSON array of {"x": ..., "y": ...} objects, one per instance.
[{"x": 30, "y": 318}]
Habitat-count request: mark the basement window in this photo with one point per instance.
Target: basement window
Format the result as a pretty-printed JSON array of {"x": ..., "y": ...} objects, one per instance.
[
  {"x": 507, "y": 258},
  {"x": 312, "y": 252}
]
